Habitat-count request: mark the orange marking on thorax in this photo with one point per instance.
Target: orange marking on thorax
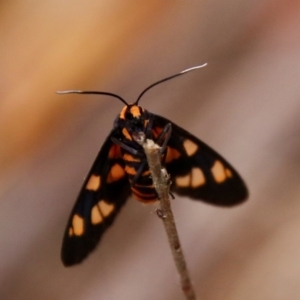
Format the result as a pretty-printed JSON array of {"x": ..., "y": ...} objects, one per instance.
[
  {"x": 146, "y": 123},
  {"x": 126, "y": 134},
  {"x": 135, "y": 111},
  {"x": 122, "y": 113}
]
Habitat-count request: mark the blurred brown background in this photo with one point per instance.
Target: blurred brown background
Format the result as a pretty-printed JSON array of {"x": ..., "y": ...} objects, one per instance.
[{"x": 245, "y": 104}]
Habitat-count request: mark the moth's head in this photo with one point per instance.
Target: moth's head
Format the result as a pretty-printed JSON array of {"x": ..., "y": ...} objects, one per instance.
[
  {"x": 134, "y": 118},
  {"x": 131, "y": 112}
]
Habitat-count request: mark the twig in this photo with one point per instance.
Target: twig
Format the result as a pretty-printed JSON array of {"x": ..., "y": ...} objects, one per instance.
[{"x": 161, "y": 182}]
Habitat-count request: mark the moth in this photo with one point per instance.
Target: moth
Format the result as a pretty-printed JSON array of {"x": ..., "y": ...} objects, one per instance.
[{"x": 121, "y": 170}]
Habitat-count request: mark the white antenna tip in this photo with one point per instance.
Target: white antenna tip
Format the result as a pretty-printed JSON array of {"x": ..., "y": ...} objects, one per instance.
[{"x": 194, "y": 68}]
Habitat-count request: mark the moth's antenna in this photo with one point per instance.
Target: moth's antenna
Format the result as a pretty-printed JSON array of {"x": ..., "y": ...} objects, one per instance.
[
  {"x": 168, "y": 78},
  {"x": 94, "y": 93}
]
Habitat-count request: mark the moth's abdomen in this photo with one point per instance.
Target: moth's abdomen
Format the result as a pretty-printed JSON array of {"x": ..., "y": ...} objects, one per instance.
[
  {"x": 144, "y": 194},
  {"x": 141, "y": 184}
]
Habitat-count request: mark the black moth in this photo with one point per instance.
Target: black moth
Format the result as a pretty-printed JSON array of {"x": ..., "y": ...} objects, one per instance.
[{"x": 121, "y": 169}]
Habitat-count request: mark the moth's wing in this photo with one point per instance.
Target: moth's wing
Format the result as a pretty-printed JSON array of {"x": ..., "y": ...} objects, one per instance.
[
  {"x": 197, "y": 171},
  {"x": 104, "y": 192}
]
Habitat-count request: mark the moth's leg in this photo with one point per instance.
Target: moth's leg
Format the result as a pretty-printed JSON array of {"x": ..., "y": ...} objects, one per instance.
[
  {"x": 148, "y": 129},
  {"x": 127, "y": 148},
  {"x": 138, "y": 173},
  {"x": 172, "y": 196},
  {"x": 166, "y": 132}
]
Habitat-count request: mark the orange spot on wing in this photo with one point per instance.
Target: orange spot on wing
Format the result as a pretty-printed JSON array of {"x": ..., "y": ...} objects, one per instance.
[
  {"x": 228, "y": 173},
  {"x": 194, "y": 179},
  {"x": 70, "y": 231},
  {"x": 78, "y": 225},
  {"x": 96, "y": 217},
  {"x": 106, "y": 208},
  {"x": 94, "y": 183},
  {"x": 116, "y": 173},
  {"x": 156, "y": 131},
  {"x": 198, "y": 178},
  {"x": 172, "y": 154},
  {"x": 115, "y": 152},
  {"x": 218, "y": 172},
  {"x": 183, "y": 181},
  {"x": 190, "y": 147}
]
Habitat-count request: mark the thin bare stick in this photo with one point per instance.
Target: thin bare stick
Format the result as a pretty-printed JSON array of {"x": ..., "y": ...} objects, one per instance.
[{"x": 161, "y": 181}]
